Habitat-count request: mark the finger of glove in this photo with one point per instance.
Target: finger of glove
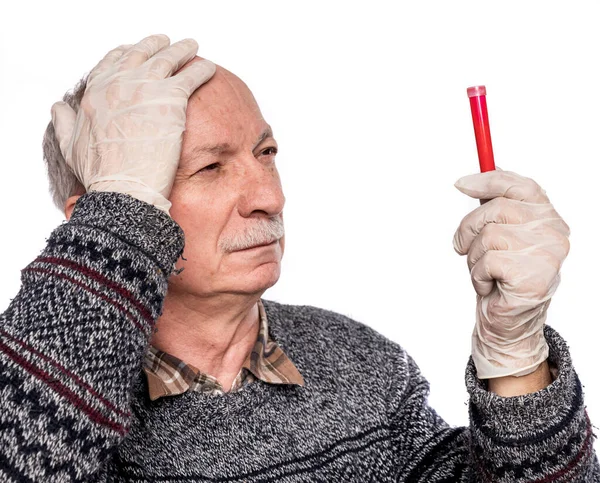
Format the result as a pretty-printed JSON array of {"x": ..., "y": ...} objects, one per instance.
[
  {"x": 545, "y": 235},
  {"x": 142, "y": 51},
  {"x": 491, "y": 267},
  {"x": 532, "y": 276},
  {"x": 108, "y": 61},
  {"x": 172, "y": 58},
  {"x": 63, "y": 120},
  {"x": 193, "y": 76},
  {"x": 501, "y": 210},
  {"x": 492, "y": 237},
  {"x": 493, "y": 184}
]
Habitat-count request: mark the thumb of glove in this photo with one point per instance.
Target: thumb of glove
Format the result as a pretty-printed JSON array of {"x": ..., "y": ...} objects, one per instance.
[{"x": 63, "y": 120}]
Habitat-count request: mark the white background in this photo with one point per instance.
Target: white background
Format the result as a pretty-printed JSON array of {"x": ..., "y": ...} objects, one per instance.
[{"x": 368, "y": 102}]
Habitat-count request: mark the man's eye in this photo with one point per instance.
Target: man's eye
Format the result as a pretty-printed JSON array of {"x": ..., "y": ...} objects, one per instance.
[
  {"x": 270, "y": 151},
  {"x": 210, "y": 167}
]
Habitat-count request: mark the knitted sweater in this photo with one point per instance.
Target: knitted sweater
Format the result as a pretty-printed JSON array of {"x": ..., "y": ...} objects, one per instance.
[{"x": 75, "y": 407}]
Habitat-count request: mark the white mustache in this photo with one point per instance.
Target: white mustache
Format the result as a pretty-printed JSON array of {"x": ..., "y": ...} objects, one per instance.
[{"x": 262, "y": 232}]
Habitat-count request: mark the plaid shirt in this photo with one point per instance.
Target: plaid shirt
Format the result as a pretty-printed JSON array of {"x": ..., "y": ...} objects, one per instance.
[{"x": 168, "y": 376}]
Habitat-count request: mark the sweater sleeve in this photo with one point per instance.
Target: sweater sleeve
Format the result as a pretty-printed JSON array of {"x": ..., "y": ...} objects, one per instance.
[
  {"x": 72, "y": 341},
  {"x": 541, "y": 437}
]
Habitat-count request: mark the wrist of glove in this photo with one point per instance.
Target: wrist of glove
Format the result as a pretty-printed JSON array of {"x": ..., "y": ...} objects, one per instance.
[{"x": 496, "y": 352}]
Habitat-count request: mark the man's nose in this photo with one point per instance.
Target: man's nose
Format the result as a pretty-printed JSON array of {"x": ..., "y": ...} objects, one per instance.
[{"x": 261, "y": 191}]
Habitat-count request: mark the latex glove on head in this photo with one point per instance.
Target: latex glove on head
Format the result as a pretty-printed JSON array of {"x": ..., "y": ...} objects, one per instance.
[
  {"x": 515, "y": 246},
  {"x": 127, "y": 135}
]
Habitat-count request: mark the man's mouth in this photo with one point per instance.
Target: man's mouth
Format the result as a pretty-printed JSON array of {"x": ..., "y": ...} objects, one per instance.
[{"x": 259, "y": 245}]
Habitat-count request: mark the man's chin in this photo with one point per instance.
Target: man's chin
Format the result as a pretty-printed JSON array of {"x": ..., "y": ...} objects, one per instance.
[
  {"x": 250, "y": 280},
  {"x": 261, "y": 278}
]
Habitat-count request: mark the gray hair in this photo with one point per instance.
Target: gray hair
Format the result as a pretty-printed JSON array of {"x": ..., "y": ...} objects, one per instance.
[{"x": 63, "y": 183}]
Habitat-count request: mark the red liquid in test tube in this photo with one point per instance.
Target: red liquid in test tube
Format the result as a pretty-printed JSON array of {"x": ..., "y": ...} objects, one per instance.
[{"x": 481, "y": 125}]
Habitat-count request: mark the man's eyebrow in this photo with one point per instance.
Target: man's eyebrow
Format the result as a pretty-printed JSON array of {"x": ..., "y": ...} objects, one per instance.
[
  {"x": 226, "y": 147},
  {"x": 267, "y": 133},
  {"x": 214, "y": 149}
]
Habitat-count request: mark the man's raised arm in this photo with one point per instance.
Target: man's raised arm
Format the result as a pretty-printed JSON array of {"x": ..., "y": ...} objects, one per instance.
[{"x": 73, "y": 339}]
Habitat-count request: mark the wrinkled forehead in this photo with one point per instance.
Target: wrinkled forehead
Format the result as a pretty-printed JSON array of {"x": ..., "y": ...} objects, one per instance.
[{"x": 222, "y": 111}]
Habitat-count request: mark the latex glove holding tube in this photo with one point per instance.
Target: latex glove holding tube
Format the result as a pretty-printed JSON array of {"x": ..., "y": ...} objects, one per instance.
[
  {"x": 515, "y": 246},
  {"x": 127, "y": 134}
]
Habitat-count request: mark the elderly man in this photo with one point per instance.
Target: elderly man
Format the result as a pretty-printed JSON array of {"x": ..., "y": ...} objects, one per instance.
[{"x": 109, "y": 376}]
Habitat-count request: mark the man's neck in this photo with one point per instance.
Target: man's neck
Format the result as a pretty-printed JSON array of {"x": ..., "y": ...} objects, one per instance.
[{"x": 214, "y": 334}]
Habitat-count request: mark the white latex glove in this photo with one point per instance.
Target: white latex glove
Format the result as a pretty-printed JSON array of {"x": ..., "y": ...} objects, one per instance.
[
  {"x": 127, "y": 134},
  {"x": 515, "y": 246}
]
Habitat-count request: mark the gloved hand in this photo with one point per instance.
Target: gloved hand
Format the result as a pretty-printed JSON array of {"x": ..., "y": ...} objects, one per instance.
[
  {"x": 127, "y": 134},
  {"x": 515, "y": 246}
]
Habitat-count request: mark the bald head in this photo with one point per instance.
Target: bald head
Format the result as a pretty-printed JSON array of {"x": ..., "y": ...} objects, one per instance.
[{"x": 221, "y": 89}]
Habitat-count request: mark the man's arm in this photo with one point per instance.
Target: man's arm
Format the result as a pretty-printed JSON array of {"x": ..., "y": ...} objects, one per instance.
[
  {"x": 541, "y": 436},
  {"x": 72, "y": 341}
]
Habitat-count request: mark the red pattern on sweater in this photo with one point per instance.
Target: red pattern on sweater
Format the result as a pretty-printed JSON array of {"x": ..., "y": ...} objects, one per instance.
[{"x": 64, "y": 391}]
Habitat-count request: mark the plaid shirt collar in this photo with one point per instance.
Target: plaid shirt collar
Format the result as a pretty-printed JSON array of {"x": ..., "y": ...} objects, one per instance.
[{"x": 168, "y": 376}]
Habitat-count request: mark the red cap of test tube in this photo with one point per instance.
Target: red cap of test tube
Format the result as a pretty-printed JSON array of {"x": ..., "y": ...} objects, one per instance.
[{"x": 476, "y": 91}]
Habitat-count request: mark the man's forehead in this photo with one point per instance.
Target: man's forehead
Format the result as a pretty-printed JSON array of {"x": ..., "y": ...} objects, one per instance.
[{"x": 221, "y": 114}]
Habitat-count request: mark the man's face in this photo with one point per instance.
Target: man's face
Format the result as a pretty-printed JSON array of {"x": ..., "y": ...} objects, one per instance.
[{"x": 227, "y": 194}]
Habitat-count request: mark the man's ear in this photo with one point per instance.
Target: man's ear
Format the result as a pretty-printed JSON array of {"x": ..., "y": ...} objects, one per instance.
[{"x": 70, "y": 205}]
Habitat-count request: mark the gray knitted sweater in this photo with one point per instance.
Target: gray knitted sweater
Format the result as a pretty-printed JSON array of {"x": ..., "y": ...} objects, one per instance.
[{"x": 75, "y": 407}]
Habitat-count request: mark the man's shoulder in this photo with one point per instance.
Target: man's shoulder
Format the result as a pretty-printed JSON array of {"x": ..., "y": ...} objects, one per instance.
[
  {"x": 329, "y": 334},
  {"x": 318, "y": 320}
]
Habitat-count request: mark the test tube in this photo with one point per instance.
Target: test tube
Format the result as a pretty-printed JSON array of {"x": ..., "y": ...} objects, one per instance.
[{"x": 481, "y": 125}]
